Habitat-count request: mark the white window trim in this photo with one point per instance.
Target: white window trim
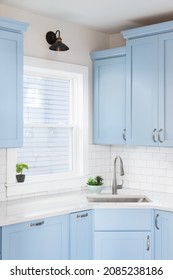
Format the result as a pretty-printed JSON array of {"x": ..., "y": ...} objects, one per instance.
[{"x": 53, "y": 182}]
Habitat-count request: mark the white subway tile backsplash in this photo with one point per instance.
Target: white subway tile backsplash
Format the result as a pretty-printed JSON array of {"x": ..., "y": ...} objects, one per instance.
[
  {"x": 169, "y": 157},
  {"x": 2, "y": 153},
  {"x": 159, "y": 156},
  {"x": 146, "y": 156},
  {"x": 166, "y": 165},
  {"x": 134, "y": 156},
  {"x": 145, "y": 171},
  {"x": 153, "y": 164},
  {"x": 153, "y": 180},
  {"x": 169, "y": 189},
  {"x": 169, "y": 173},
  {"x": 146, "y": 168},
  {"x": 165, "y": 181},
  {"x": 159, "y": 172},
  {"x": 99, "y": 162},
  {"x": 149, "y": 168},
  {"x": 139, "y": 163}
]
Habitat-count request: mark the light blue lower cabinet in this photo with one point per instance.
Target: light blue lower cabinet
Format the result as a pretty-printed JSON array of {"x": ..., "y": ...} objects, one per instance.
[
  {"x": 123, "y": 234},
  {"x": 120, "y": 245},
  {"x": 0, "y": 243},
  {"x": 106, "y": 234},
  {"x": 163, "y": 235},
  {"x": 81, "y": 235},
  {"x": 37, "y": 240}
]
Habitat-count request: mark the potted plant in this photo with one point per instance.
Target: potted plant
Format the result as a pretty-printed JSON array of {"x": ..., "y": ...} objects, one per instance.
[
  {"x": 95, "y": 185},
  {"x": 19, "y": 169}
]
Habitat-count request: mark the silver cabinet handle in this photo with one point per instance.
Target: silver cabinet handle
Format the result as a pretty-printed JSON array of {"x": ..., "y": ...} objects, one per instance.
[
  {"x": 37, "y": 224},
  {"x": 148, "y": 242},
  {"x": 124, "y": 134},
  {"x": 156, "y": 221},
  {"x": 82, "y": 215},
  {"x": 160, "y": 140},
  {"x": 154, "y": 135}
]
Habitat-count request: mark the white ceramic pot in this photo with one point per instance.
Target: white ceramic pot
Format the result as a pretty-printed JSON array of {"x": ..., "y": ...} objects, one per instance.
[{"x": 95, "y": 189}]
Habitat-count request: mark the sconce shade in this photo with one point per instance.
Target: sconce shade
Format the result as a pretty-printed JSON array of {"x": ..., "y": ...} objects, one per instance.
[{"x": 55, "y": 42}]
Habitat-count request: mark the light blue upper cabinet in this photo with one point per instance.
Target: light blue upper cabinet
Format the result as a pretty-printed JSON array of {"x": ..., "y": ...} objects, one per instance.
[
  {"x": 109, "y": 96},
  {"x": 142, "y": 91},
  {"x": 149, "y": 84},
  {"x": 11, "y": 82},
  {"x": 165, "y": 129}
]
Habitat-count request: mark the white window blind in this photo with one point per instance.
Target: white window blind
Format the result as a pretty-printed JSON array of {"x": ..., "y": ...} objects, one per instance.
[{"x": 48, "y": 129}]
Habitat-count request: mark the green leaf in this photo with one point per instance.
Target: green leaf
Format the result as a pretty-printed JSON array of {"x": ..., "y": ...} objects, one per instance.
[{"x": 20, "y": 167}]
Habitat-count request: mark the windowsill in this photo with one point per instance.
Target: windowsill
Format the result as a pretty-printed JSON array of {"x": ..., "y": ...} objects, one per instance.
[{"x": 38, "y": 188}]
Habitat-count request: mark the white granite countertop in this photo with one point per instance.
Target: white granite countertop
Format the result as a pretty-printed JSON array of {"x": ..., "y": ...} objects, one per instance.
[{"x": 22, "y": 210}]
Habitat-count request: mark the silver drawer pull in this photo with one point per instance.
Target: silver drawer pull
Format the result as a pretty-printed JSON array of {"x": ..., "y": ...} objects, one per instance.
[
  {"x": 36, "y": 224},
  {"x": 124, "y": 134},
  {"x": 156, "y": 221},
  {"x": 160, "y": 140},
  {"x": 82, "y": 215},
  {"x": 154, "y": 135},
  {"x": 148, "y": 242}
]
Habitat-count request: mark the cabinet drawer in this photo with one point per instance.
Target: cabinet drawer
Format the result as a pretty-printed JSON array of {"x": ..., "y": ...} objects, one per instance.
[{"x": 123, "y": 219}]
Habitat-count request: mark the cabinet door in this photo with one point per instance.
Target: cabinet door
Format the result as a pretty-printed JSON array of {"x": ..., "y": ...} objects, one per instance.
[
  {"x": 81, "y": 235},
  {"x": 122, "y": 246},
  {"x": 109, "y": 101},
  {"x": 166, "y": 89},
  {"x": 163, "y": 235},
  {"x": 40, "y": 239},
  {"x": 142, "y": 91},
  {"x": 11, "y": 104},
  {"x": 0, "y": 243}
]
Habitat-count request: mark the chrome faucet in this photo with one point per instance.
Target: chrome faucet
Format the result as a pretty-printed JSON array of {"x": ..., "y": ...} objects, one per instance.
[{"x": 115, "y": 186}]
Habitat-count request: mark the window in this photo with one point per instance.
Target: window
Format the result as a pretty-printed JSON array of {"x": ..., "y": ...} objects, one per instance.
[{"x": 55, "y": 124}]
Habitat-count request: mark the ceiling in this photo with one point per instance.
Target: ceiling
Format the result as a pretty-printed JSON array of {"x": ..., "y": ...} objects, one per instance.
[{"x": 109, "y": 16}]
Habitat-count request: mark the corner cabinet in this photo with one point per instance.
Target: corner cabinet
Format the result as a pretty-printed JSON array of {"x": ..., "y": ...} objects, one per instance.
[
  {"x": 163, "y": 235},
  {"x": 11, "y": 82},
  {"x": 109, "y": 96},
  {"x": 43, "y": 239},
  {"x": 123, "y": 234},
  {"x": 149, "y": 83},
  {"x": 81, "y": 235}
]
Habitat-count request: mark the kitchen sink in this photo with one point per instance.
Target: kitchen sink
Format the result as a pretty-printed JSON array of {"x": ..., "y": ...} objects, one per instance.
[{"x": 109, "y": 198}]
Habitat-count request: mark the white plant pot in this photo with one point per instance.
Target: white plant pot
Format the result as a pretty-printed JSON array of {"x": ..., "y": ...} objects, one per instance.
[{"x": 95, "y": 189}]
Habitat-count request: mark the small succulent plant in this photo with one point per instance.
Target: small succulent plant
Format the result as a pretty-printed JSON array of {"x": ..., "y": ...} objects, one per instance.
[{"x": 97, "y": 181}]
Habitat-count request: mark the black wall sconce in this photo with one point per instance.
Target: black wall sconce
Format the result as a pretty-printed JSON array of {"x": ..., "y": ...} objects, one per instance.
[{"x": 55, "y": 42}]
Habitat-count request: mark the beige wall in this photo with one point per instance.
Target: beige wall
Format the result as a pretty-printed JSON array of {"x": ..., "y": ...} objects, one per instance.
[
  {"x": 79, "y": 39},
  {"x": 116, "y": 40}
]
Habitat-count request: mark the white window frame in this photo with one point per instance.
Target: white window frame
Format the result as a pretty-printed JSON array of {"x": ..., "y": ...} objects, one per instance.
[{"x": 79, "y": 76}]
